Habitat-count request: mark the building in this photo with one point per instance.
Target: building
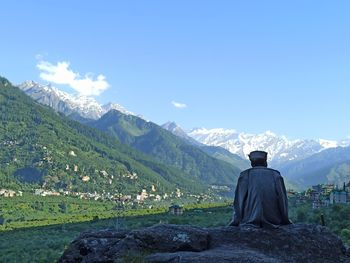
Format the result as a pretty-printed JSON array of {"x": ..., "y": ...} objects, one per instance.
[
  {"x": 347, "y": 187},
  {"x": 43, "y": 192},
  {"x": 338, "y": 197},
  {"x": 142, "y": 196},
  {"x": 315, "y": 194},
  {"x": 176, "y": 210},
  {"x": 320, "y": 203},
  {"x": 85, "y": 178},
  {"x": 178, "y": 193},
  {"x": 327, "y": 188},
  {"x": 7, "y": 193}
]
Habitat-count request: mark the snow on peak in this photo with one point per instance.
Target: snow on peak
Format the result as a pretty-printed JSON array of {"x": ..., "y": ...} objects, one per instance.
[
  {"x": 328, "y": 143},
  {"x": 202, "y": 131},
  {"x": 113, "y": 106},
  {"x": 66, "y": 103},
  {"x": 279, "y": 148}
]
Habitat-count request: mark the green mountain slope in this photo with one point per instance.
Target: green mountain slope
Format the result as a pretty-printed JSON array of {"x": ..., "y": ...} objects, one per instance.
[
  {"x": 161, "y": 144},
  {"x": 328, "y": 166},
  {"x": 225, "y": 155},
  {"x": 41, "y": 147}
]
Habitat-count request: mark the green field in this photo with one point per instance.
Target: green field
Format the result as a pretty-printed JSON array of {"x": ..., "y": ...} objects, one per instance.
[{"x": 46, "y": 243}]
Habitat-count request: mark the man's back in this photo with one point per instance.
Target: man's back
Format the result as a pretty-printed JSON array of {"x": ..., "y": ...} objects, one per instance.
[{"x": 260, "y": 198}]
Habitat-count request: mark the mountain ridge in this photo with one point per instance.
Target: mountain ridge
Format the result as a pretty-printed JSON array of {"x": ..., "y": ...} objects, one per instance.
[
  {"x": 68, "y": 155},
  {"x": 166, "y": 147},
  {"x": 86, "y": 107},
  {"x": 279, "y": 148},
  {"x": 215, "y": 151},
  {"x": 223, "y": 144}
]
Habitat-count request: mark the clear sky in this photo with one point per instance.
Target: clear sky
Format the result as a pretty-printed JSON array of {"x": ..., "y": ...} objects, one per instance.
[{"x": 253, "y": 66}]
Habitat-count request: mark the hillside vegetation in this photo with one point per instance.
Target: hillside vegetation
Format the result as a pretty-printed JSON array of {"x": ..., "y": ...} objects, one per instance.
[
  {"x": 40, "y": 147},
  {"x": 167, "y": 148}
]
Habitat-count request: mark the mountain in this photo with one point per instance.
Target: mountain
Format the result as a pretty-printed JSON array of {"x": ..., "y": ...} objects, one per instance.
[
  {"x": 214, "y": 151},
  {"x": 329, "y": 166},
  {"x": 43, "y": 148},
  {"x": 175, "y": 129},
  {"x": 161, "y": 144},
  {"x": 75, "y": 106},
  {"x": 279, "y": 148},
  {"x": 227, "y": 145}
]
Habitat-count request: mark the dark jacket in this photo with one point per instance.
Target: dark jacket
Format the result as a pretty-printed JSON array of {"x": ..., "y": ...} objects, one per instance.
[{"x": 260, "y": 198}]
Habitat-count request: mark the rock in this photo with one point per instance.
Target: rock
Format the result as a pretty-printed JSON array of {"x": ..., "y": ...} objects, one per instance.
[{"x": 185, "y": 244}]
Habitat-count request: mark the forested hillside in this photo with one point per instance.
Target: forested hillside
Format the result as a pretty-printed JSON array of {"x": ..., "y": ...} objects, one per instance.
[
  {"x": 167, "y": 148},
  {"x": 40, "y": 147}
]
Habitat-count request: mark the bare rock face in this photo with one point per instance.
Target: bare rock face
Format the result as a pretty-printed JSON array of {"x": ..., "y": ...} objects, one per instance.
[{"x": 174, "y": 243}]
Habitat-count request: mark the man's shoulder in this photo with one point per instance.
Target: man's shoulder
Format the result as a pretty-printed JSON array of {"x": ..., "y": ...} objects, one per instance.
[{"x": 246, "y": 172}]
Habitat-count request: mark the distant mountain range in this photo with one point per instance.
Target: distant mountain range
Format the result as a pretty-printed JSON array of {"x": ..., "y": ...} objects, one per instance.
[
  {"x": 279, "y": 148},
  {"x": 215, "y": 151},
  {"x": 330, "y": 165},
  {"x": 301, "y": 161}
]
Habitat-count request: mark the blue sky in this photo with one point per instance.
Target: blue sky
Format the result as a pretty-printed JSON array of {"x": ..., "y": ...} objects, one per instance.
[{"x": 253, "y": 66}]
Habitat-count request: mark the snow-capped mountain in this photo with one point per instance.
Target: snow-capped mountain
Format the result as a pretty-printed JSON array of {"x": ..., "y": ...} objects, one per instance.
[
  {"x": 280, "y": 149},
  {"x": 66, "y": 103},
  {"x": 178, "y": 131}
]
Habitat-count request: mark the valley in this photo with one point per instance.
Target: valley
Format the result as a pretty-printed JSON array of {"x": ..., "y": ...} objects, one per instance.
[{"x": 69, "y": 164}]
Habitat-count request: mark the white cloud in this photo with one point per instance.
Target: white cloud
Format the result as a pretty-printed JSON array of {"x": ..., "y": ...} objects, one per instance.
[
  {"x": 179, "y": 105},
  {"x": 61, "y": 74}
]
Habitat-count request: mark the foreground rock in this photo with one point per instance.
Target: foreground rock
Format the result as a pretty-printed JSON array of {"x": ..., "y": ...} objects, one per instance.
[{"x": 173, "y": 243}]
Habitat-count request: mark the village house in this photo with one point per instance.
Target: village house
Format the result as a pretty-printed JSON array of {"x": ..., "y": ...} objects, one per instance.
[
  {"x": 315, "y": 194},
  {"x": 338, "y": 197},
  {"x": 103, "y": 173},
  {"x": 43, "y": 192},
  {"x": 7, "y": 193},
  {"x": 175, "y": 210},
  {"x": 178, "y": 193},
  {"x": 85, "y": 178},
  {"x": 323, "y": 195},
  {"x": 142, "y": 196},
  {"x": 347, "y": 187},
  {"x": 327, "y": 188}
]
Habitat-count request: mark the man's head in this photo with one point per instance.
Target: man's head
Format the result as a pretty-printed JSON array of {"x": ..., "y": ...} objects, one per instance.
[{"x": 258, "y": 158}]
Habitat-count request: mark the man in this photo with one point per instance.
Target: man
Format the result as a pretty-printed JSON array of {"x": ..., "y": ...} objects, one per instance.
[{"x": 260, "y": 197}]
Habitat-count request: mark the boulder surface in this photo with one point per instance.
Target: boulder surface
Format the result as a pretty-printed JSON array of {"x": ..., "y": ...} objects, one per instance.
[{"x": 184, "y": 243}]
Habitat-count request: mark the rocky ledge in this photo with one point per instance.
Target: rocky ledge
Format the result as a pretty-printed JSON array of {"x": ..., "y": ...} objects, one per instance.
[{"x": 181, "y": 243}]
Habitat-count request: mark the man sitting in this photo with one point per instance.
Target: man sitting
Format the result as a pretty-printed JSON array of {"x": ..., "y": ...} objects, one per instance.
[{"x": 260, "y": 197}]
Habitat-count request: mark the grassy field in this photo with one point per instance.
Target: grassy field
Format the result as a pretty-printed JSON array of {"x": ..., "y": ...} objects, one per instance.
[{"x": 46, "y": 243}]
